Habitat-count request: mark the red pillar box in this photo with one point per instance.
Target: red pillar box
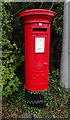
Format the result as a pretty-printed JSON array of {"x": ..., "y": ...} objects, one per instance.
[{"x": 37, "y": 41}]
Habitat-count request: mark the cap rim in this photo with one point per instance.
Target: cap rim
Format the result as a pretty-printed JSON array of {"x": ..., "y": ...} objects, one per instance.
[{"x": 37, "y": 12}]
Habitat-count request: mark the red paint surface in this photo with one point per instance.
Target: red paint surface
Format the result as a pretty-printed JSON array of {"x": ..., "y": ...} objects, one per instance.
[{"x": 36, "y": 64}]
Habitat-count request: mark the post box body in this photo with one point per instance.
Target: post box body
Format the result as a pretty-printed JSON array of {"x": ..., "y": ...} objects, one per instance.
[{"x": 37, "y": 45}]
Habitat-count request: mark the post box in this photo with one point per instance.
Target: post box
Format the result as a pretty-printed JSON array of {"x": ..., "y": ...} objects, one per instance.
[{"x": 36, "y": 23}]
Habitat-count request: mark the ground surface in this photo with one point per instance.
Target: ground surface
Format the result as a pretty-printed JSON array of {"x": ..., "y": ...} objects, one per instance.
[{"x": 28, "y": 116}]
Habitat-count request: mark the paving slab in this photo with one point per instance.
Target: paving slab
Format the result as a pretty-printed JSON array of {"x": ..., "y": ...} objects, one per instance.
[
  {"x": 27, "y": 116},
  {"x": 24, "y": 115}
]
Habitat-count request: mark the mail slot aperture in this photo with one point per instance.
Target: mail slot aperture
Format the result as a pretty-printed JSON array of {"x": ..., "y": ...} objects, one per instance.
[{"x": 40, "y": 29}]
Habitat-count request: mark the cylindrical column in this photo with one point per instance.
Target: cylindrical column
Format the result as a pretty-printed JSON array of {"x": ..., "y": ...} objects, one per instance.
[
  {"x": 37, "y": 42},
  {"x": 65, "y": 58}
]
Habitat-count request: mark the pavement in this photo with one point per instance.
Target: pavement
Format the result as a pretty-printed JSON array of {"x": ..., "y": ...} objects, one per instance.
[{"x": 27, "y": 116}]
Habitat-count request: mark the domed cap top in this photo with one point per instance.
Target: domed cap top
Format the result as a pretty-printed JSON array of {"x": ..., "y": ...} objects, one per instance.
[{"x": 37, "y": 12}]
